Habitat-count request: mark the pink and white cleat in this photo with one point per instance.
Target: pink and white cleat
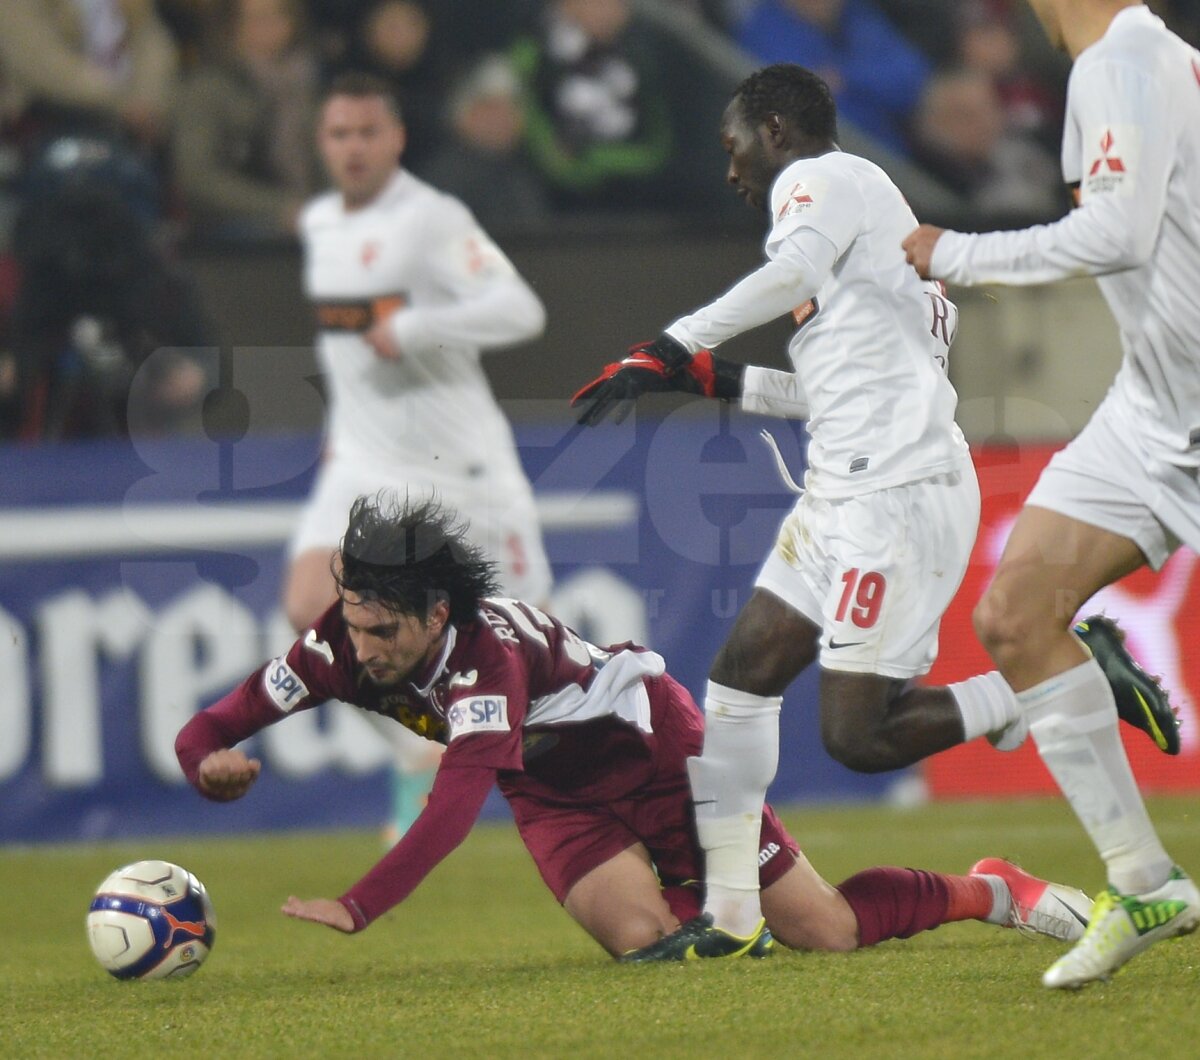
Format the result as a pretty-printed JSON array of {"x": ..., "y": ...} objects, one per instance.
[{"x": 1039, "y": 907}]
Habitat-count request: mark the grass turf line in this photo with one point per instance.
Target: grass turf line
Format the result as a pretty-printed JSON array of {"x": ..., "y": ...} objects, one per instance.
[{"x": 480, "y": 961}]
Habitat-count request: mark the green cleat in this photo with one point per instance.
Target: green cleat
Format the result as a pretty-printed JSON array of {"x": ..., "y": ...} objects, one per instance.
[
  {"x": 1141, "y": 702},
  {"x": 698, "y": 939},
  {"x": 1122, "y": 926}
]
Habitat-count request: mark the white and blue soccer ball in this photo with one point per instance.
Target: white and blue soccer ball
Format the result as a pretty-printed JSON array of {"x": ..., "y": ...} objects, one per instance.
[{"x": 151, "y": 920}]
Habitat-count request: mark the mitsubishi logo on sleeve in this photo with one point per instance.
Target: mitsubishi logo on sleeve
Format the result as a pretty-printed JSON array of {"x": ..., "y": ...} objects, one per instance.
[
  {"x": 1114, "y": 164},
  {"x": 797, "y": 200}
]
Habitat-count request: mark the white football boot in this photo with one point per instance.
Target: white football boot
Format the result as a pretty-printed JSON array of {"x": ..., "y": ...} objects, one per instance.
[{"x": 1039, "y": 907}]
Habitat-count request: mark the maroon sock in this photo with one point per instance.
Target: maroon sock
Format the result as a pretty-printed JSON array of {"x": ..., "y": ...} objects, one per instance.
[{"x": 892, "y": 903}]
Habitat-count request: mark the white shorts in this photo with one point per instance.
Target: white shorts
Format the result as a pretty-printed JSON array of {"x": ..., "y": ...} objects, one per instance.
[
  {"x": 1105, "y": 478},
  {"x": 500, "y": 510},
  {"x": 876, "y": 572}
]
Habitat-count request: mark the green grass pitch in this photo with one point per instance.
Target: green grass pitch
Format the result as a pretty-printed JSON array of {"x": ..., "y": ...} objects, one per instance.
[{"x": 480, "y": 961}]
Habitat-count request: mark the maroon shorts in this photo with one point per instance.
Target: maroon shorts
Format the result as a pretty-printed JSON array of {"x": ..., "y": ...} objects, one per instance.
[{"x": 569, "y": 838}]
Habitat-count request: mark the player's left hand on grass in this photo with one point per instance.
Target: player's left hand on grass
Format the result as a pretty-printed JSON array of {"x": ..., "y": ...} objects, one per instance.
[
  {"x": 320, "y": 911},
  {"x": 653, "y": 367}
]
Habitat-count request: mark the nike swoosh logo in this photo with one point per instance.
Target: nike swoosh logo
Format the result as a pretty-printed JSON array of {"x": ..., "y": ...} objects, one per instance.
[
  {"x": 835, "y": 644},
  {"x": 1074, "y": 912},
  {"x": 318, "y": 646},
  {"x": 463, "y": 680}
]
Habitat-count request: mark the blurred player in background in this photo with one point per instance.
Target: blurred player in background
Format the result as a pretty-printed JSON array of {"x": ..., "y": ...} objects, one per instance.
[
  {"x": 1125, "y": 492},
  {"x": 409, "y": 291},
  {"x": 589, "y": 746},
  {"x": 872, "y": 553}
]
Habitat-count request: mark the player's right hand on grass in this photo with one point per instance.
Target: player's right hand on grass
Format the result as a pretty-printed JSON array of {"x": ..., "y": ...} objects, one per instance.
[
  {"x": 227, "y": 774},
  {"x": 320, "y": 911}
]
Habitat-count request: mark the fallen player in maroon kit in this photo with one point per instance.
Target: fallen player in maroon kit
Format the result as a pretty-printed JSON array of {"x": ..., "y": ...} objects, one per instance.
[{"x": 588, "y": 745}]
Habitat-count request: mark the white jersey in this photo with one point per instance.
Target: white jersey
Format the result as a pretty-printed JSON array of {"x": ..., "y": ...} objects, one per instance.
[
  {"x": 415, "y": 257},
  {"x": 1131, "y": 144},
  {"x": 872, "y": 338}
]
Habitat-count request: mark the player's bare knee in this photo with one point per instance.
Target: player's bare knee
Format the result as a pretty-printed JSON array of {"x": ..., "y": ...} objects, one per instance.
[
  {"x": 817, "y": 934},
  {"x": 825, "y": 927},
  {"x": 309, "y": 589},
  {"x": 864, "y": 752},
  {"x": 853, "y": 720},
  {"x": 987, "y": 621},
  {"x": 757, "y": 666},
  {"x": 1004, "y": 629},
  {"x": 746, "y": 667},
  {"x": 641, "y": 927},
  {"x": 842, "y": 936},
  {"x": 830, "y": 938},
  {"x": 838, "y": 928},
  {"x": 768, "y": 646},
  {"x": 305, "y": 600},
  {"x": 840, "y": 943},
  {"x": 300, "y": 609},
  {"x": 857, "y": 739}
]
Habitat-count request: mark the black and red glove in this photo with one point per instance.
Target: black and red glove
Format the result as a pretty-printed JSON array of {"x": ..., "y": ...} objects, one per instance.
[{"x": 652, "y": 367}]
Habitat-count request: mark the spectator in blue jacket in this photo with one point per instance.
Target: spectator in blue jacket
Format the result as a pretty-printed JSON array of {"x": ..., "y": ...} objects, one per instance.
[{"x": 876, "y": 75}]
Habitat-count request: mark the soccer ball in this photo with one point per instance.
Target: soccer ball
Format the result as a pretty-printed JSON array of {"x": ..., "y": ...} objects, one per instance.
[{"x": 151, "y": 920}]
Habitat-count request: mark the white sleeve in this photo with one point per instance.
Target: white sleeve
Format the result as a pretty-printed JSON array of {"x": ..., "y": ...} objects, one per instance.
[
  {"x": 491, "y": 306},
  {"x": 771, "y": 392},
  {"x": 801, "y": 264},
  {"x": 1118, "y": 113}
]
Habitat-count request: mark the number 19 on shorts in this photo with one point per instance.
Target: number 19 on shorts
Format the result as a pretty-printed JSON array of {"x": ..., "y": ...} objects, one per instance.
[{"x": 862, "y": 597}]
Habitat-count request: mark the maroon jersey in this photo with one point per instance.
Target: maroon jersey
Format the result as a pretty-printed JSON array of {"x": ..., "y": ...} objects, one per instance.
[
  {"x": 514, "y": 695},
  {"x": 502, "y": 686}
]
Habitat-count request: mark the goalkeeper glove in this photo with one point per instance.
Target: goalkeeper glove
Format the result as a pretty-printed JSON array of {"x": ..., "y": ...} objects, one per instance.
[{"x": 656, "y": 366}]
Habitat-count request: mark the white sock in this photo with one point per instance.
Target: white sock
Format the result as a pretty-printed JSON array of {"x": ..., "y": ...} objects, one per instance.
[
  {"x": 1002, "y": 900},
  {"x": 1073, "y": 721},
  {"x": 986, "y": 704},
  {"x": 729, "y": 786}
]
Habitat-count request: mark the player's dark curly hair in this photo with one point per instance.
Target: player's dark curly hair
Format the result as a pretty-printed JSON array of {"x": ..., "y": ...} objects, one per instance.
[
  {"x": 794, "y": 92},
  {"x": 407, "y": 556}
]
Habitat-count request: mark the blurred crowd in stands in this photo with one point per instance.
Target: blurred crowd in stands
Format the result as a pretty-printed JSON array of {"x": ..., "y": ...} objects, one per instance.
[{"x": 131, "y": 127}]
